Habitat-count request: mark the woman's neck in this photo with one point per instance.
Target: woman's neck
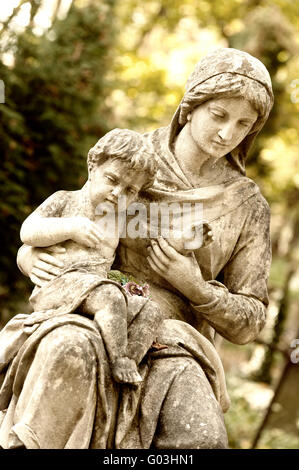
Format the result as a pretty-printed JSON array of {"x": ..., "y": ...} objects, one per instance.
[{"x": 189, "y": 156}]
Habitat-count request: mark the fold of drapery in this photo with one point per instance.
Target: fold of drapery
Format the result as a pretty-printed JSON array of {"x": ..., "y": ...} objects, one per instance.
[{"x": 114, "y": 410}]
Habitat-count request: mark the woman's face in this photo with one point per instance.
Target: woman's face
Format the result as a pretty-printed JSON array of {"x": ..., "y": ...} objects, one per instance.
[{"x": 219, "y": 125}]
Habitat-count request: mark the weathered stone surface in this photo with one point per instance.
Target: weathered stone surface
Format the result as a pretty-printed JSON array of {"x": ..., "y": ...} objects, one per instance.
[{"x": 66, "y": 394}]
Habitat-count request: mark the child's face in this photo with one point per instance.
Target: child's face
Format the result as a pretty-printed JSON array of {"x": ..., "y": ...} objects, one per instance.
[{"x": 112, "y": 179}]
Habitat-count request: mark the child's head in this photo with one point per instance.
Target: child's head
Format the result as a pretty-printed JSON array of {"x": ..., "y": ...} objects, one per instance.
[
  {"x": 128, "y": 146},
  {"x": 120, "y": 164}
]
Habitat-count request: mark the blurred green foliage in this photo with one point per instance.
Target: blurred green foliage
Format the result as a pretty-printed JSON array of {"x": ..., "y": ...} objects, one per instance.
[{"x": 243, "y": 420}]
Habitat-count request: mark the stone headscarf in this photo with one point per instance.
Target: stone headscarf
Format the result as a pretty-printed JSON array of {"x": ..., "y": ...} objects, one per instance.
[
  {"x": 228, "y": 72},
  {"x": 224, "y": 186}
]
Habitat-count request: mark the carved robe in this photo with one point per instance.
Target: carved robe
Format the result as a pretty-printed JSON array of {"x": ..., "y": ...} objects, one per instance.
[{"x": 59, "y": 392}]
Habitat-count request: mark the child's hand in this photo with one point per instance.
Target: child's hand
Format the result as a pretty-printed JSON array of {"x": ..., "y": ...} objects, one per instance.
[{"x": 85, "y": 232}]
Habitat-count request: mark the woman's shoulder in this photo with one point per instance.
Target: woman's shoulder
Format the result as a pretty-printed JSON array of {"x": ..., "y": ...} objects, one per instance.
[
  {"x": 258, "y": 201},
  {"x": 255, "y": 210}
]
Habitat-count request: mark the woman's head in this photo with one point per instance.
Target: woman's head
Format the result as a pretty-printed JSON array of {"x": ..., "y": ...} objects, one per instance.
[
  {"x": 227, "y": 85},
  {"x": 228, "y": 73}
]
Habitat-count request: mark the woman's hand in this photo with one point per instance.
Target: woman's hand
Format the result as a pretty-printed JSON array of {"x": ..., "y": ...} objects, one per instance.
[
  {"x": 40, "y": 264},
  {"x": 46, "y": 265},
  {"x": 182, "y": 272}
]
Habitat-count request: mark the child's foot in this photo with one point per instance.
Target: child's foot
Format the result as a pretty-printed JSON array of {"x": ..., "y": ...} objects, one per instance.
[{"x": 124, "y": 370}]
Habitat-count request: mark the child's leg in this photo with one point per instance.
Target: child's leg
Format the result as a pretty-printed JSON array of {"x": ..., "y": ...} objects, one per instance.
[
  {"x": 144, "y": 319},
  {"x": 108, "y": 306}
]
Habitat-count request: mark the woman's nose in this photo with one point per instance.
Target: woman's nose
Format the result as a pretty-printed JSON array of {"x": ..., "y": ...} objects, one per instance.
[{"x": 226, "y": 132}]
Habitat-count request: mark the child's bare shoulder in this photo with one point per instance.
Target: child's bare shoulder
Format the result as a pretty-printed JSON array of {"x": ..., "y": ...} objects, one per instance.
[{"x": 55, "y": 204}]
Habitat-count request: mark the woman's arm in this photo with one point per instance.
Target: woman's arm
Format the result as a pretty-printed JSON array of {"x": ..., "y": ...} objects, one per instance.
[
  {"x": 241, "y": 312},
  {"x": 236, "y": 308}
]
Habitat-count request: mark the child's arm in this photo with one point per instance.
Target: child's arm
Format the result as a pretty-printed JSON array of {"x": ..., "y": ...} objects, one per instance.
[{"x": 46, "y": 227}]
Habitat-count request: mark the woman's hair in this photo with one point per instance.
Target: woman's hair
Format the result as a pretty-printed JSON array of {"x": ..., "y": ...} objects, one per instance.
[
  {"x": 128, "y": 146},
  {"x": 227, "y": 85}
]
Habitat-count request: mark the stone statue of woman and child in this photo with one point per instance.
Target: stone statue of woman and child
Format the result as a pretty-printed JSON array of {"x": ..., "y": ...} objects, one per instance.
[{"x": 95, "y": 366}]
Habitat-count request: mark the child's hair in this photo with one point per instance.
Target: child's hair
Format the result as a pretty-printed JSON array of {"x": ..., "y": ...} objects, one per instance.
[{"x": 128, "y": 146}]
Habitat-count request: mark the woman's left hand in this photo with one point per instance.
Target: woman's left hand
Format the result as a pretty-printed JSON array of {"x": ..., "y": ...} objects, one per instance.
[{"x": 182, "y": 272}]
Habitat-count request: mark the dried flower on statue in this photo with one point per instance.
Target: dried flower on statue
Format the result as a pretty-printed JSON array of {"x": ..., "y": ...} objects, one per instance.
[{"x": 134, "y": 289}]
